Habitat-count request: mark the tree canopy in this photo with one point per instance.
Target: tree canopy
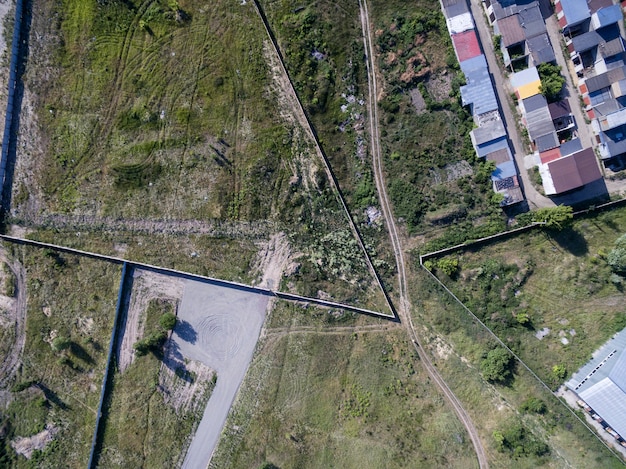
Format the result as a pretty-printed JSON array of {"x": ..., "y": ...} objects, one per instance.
[
  {"x": 551, "y": 81},
  {"x": 617, "y": 257},
  {"x": 558, "y": 217},
  {"x": 496, "y": 366}
]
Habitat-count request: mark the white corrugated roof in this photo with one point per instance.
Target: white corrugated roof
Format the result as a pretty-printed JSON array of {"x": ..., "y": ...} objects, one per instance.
[
  {"x": 609, "y": 401},
  {"x": 460, "y": 23}
]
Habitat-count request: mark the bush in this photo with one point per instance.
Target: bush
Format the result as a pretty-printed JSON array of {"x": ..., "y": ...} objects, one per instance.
[
  {"x": 496, "y": 366},
  {"x": 61, "y": 343},
  {"x": 616, "y": 258},
  {"x": 533, "y": 405},
  {"x": 168, "y": 321},
  {"x": 519, "y": 441}
]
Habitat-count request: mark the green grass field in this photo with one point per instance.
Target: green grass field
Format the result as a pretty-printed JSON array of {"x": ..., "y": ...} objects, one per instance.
[{"x": 70, "y": 310}]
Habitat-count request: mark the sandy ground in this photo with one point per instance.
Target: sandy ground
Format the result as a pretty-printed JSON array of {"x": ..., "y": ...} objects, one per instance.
[
  {"x": 147, "y": 286},
  {"x": 26, "y": 446}
]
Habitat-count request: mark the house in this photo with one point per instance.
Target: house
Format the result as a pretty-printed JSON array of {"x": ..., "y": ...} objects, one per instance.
[
  {"x": 466, "y": 45},
  {"x": 478, "y": 92},
  {"x": 601, "y": 386},
  {"x": 569, "y": 173},
  {"x": 526, "y": 83}
]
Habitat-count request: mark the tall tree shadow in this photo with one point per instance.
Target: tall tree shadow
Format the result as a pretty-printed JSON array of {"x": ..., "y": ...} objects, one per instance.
[{"x": 570, "y": 240}]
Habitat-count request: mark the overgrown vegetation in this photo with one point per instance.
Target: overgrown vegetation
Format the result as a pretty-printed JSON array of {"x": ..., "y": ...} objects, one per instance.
[{"x": 551, "y": 81}]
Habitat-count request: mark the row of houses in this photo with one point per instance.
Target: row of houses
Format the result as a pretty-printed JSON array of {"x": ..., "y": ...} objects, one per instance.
[
  {"x": 562, "y": 161},
  {"x": 593, "y": 35},
  {"x": 489, "y": 138}
]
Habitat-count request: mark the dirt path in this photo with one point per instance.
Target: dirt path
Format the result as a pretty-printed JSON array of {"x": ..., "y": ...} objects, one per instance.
[
  {"x": 146, "y": 286},
  {"x": 17, "y": 315},
  {"x": 404, "y": 309}
]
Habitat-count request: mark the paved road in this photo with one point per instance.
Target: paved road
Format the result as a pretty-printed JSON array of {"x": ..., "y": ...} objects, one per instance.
[
  {"x": 219, "y": 327},
  {"x": 503, "y": 89}
]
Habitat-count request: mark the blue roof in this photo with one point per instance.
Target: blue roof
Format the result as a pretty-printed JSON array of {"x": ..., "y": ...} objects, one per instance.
[
  {"x": 475, "y": 63},
  {"x": 504, "y": 170},
  {"x": 575, "y": 11},
  {"x": 608, "y": 15},
  {"x": 479, "y": 93},
  {"x": 491, "y": 146}
]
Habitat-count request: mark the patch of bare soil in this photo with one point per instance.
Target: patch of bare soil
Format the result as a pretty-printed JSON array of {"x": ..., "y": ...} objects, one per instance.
[
  {"x": 272, "y": 261},
  {"x": 182, "y": 382},
  {"x": 416, "y": 67},
  {"x": 458, "y": 170},
  {"x": 146, "y": 286},
  {"x": 417, "y": 100},
  {"x": 27, "y": 445}
]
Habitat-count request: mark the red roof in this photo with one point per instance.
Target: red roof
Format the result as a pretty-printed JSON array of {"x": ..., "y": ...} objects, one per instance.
[
  {"x": 574, "y": 171},
  {"x": 550, "y": 155},
  {"x": 466, "y": 45}
]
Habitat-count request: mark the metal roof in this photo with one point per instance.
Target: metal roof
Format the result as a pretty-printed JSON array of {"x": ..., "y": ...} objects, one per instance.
[
  {"x": 539, "y": 122},
  {"x": 550, "y": 155},
  {"x": 530, "y": 19},
  {"x": 559, "y": 109},
  {"x": 453, "y": 8},
  {"x": 611, "y": 48},
  {"x": 525, "y": 77},
  {"x": 614, "y": 141},
  {"x": 510, "y": 30},
  {"x": 606, "y": 16},
  {"x": 605, "y": 79},
  {"x": 601, "y": 382},
  {"x": 586, "y": 41},
  {"x": 575, "y": 11},
  {"x": 490, "y": 147},
  {"x": 499, "y": 156},
  {"x": 540, "y": 49},
  {"x": 460, "y": 23},
  {"x": 607, "y": 107},
  {"x": 595, "y": 5},
  {"x": 615, "y": 119},
  {"x": 475, "y": 63},
  {"x": 504, "y": 170},
  {"x": 574, "y": 171},
  {"x": 547, "y": 142},
  {"x": 487, "y": 133},
  {"x": 533, "y": 103},
  {"x": 478, "y": 92},
  {"x": 571, "y": 146},
  {"x": 466, "y": 45}
]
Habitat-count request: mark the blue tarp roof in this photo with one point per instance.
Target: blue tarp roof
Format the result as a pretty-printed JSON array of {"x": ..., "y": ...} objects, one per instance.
[{"x": 575, "y": 11}]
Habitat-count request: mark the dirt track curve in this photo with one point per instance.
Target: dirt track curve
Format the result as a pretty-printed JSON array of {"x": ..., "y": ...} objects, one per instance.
[{"x": 404, "y": 309}]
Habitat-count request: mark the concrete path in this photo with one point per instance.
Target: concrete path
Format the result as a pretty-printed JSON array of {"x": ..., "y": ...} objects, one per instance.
[
  {"x": 503, "y": 89},
  {"x": 219, "y": 327}
]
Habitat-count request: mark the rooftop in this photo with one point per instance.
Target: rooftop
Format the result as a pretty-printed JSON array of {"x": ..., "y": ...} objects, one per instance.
[
  {"x": 540, "y": 49},
  {"x": 475, "y": 63},
  {"x": 571, "y": 146},
  {"x": 574, "y": 171},
  {"x": 460, "y": 23},
  {"x": 601, "y": 383},
  {"x": 492, "y": 146},
  {"x": 466, "y": 45},
  {"x": 539, "y": 123},
  {"x": 606, "y": 16},
  {"x": 559, "y": 109},
  {"x": 526, "y": 83},
  {"x": 478, "y": 92},
  {"x": 534, "y": 102},
  {"x": 487, "y": 133},
  {"x": 531, "y": 20},
  {"x": 453, "y": 8},
  {"x": 550, "y": 155},
  {"x": 604, "y": 80},
  {"x": 575, "y": 11},
  {"x": 510, "y": 30},
  {"x": 547, "y": 142},
  {"x": 499, "y": 156}
]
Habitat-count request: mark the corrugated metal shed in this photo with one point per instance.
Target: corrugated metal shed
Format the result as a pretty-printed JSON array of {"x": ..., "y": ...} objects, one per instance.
[
  {"x": 547, "y": 142},
  {"x": 466, "y": 45},
  {"x": 460, "y": 23},
  {"x": 510, "y": 30},
  {"x": 574, "y": 171},
  {"x": 475, "y": 63},
  {"x": 478, "y": 92},
  {"x": 492, "y": 131},
  {"x": 540, "y": 49},
  {"x": 606, "y": 16},
  {"x": 575, "y": 11}
]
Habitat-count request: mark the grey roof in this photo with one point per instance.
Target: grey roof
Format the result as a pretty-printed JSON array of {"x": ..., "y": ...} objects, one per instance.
[
  {"x": 605, "y": 79},
  {"x": 478, "y": 92},
  {"x": 547, "y": 142},
  {"x": 586, "y": 41},
  {"x": 559, "y": 109},
  {"x": 475, "y": 63},
  {"x": 575, "y": 11},
  {"x": 500, "y": 11},
  {"x": 454, "y": 8},
  {"x": 541, "y": 49},
  {"x": 571, "y": 146},
  {"x": 608, "y": 107},
  {"x": 533, "y": 103},
  {"x": 530, "y": 19},
  {"x": 539, "y": 122},
  {"x": 615, "y": 140},
  {"x": 487, "y": 133},
  {"x": 611, "y": 48},
  {"x": 601, "y": 383},
  {"x": 492, "y": 146}
]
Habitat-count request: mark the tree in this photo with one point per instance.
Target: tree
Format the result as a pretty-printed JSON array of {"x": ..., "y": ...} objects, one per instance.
[
  {"x": 167, "y": 321},
  {"x": 559, "y": 372},
  {"x": 557, "y": 218},
  {"x": 534, "y": 405},
  {"x": 448, "y": 266},
  {"x": 496, "y": 366},
  {"x": 551, "y": 81},
  {"x": 61, "y": 343},
  {"x": 617, "y": 257}
]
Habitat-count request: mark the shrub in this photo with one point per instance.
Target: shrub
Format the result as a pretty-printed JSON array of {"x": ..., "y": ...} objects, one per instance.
[
  {"x": 167, "y": 321},
  {"x": 533, "y": 405},
  {"x": 616, "y": 258},
  {"x": 496, "y": 366}
]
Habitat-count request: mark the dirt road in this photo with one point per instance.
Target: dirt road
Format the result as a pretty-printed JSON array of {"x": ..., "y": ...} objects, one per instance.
[{"x": 404, "y": 309}]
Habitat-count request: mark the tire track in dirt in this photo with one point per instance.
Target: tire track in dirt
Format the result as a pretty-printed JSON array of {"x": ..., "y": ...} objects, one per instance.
[{"x": 404, "y": 309}]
